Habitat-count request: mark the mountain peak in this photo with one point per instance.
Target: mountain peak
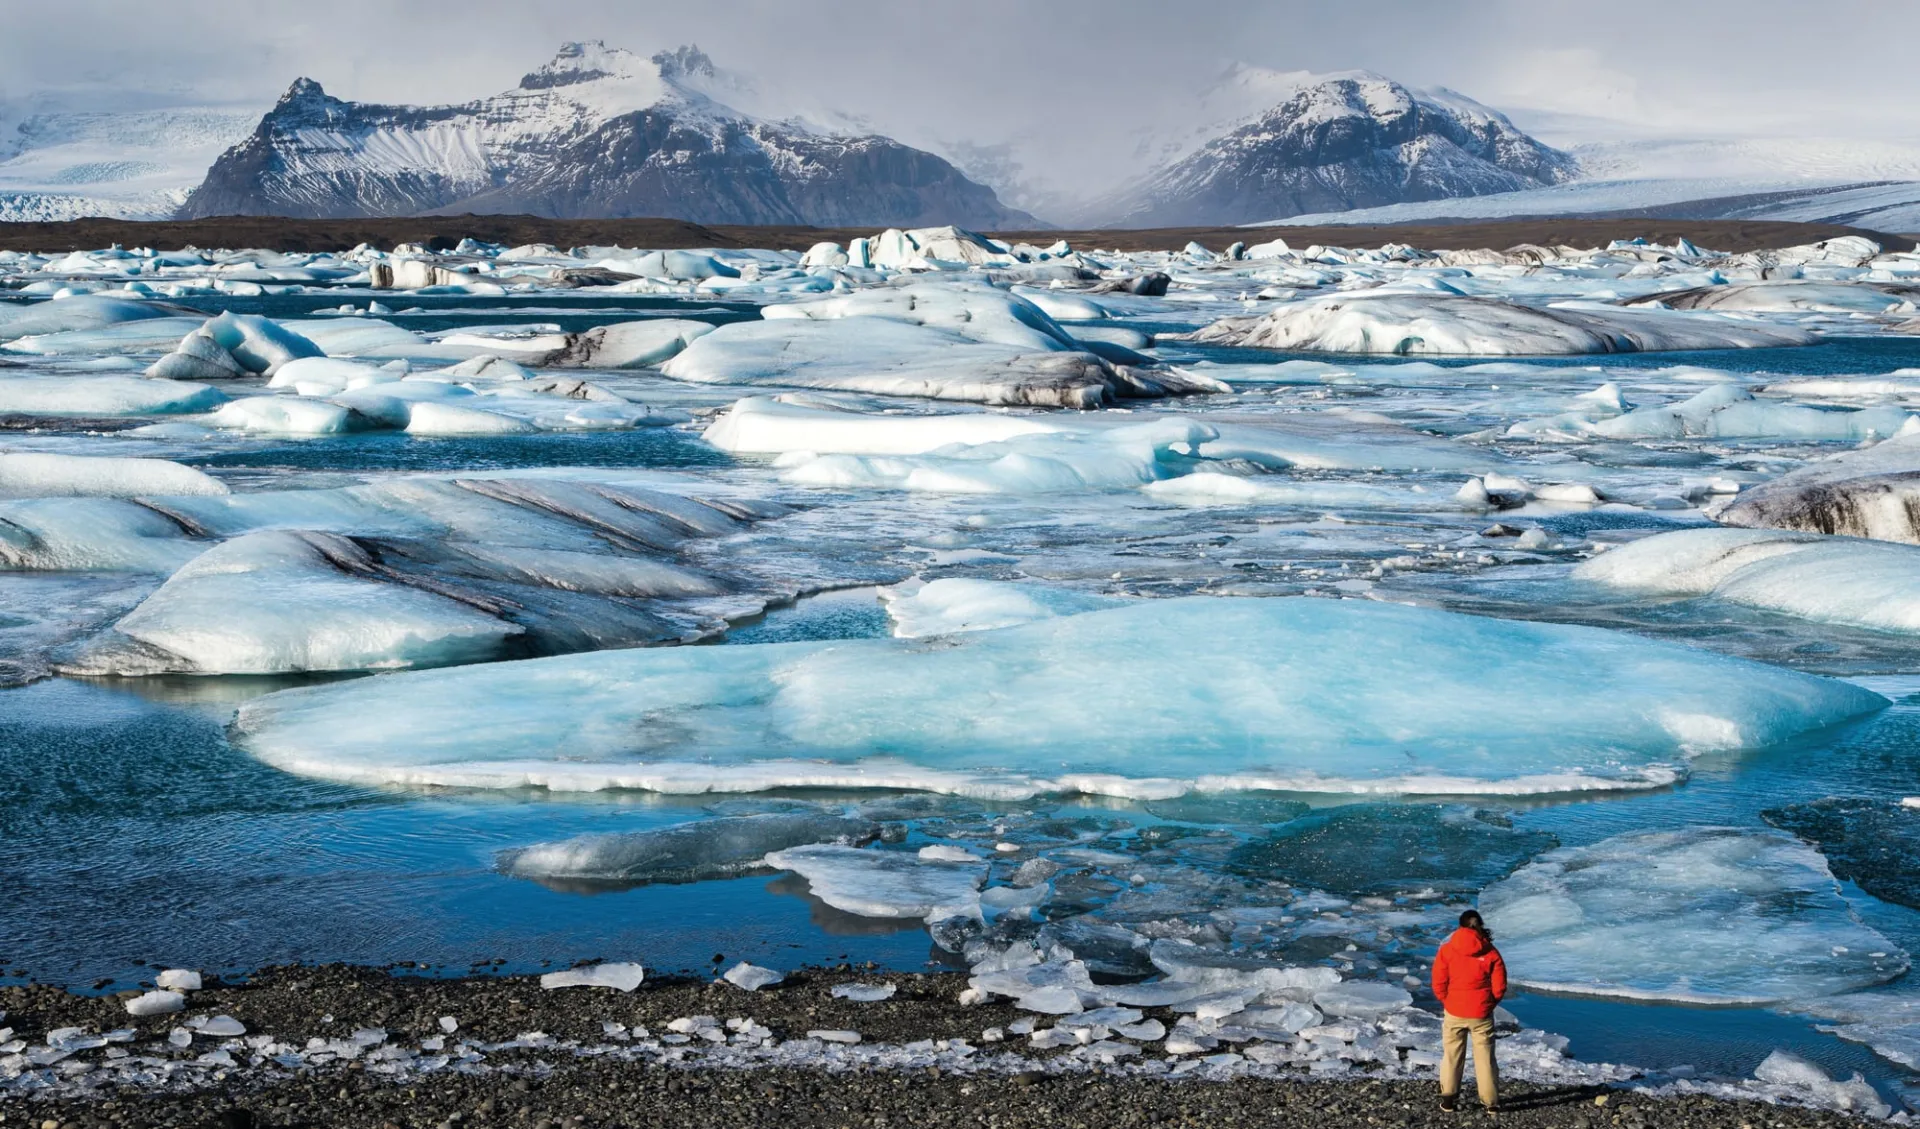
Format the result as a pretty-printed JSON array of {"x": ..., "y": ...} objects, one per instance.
[
  {"x": 303, "y": 90},
  {"x": 586, "y": 61},
  {"x": 687, "y": 61}
]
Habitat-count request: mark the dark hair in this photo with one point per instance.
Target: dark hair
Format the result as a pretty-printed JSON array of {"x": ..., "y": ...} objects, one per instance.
[{"x": 1472, "y": 920}]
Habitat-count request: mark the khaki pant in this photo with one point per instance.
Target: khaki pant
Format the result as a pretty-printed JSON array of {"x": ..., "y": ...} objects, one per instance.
[{"x": 1454, "y": 1032}]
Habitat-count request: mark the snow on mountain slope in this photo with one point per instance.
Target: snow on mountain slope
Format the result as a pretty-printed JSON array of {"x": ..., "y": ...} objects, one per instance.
[
  {"x": 1346, "y": 141},
  {"x": 59, "y": 164},
  {"x": 596, "y": 132}
]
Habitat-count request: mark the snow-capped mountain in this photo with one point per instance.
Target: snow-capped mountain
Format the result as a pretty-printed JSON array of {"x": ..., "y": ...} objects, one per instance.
[
  {"x": 59, "y": 162},
  {"x": 597, "y": 132},
  {"x": 1345, "y": 141}
]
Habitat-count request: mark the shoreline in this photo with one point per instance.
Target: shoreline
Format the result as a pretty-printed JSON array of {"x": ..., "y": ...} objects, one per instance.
[{"x": 351, "y": 1047}]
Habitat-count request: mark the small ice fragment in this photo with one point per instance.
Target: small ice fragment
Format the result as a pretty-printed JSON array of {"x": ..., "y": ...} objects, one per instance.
[
  {"x": 993, "y": 1035},
  {"x": 436, "y": 1043},
  {"x": 158, "y": 1002},
  {"x": 449, "y": 1024},
  {"x": 946, "y": 852},
  {"x": 752, "y": 977},
  {"x": 864, "y": 993},
  {"x": 622, "y": 976},
  {"x": 1054, "y": 1037},
  {"x": 1148, "y": 1031},
  {"x": 970, "y": 996},
  {"x": 220, "y": 1026},
  {"x": 180, "y": 1037},
  {"x": 1007, "y": 848},
  {"x": 835, "y": 1036},
  {"x": 178, "y": 980}
]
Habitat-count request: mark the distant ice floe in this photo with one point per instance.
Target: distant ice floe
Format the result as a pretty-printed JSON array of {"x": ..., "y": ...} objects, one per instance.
[
  {"x": 33, "y": 475},
  {"x": 1844, "y": 580},
  {"x": 1457, "y": 325},
  {"x": 689, "y": 852},
  {"x": 1721, "y": 411},
  {"x": 1710, "y": 915},
  {"x": 1295, "y": 694},
  {"x": 950, "y": 604}
]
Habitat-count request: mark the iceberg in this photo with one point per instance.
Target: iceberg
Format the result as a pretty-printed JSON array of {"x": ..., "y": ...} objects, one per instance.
[
  {"x": 877, "y": 883},
  {"x": 80, "y": 312},
  {"x": 1430, "y": 324},
  {"x": 1706, "y": 915},
  {"x": 1844, "y": 580},
  {"x": 691, "y": 852},
  {"x": 31, "y": 475},
  {"x": 895, "y": 358},
  {"x": 1727, "y": 411},
  {"x": 1866, "y": 493},
  {"x": 104, "y": 396},
  {"x": 280, "y": 601},
  {"x": 1280, "y": 694}
]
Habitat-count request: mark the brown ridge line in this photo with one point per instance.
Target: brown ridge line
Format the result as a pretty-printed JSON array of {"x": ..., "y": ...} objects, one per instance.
[{"x": 441, "y": 232}]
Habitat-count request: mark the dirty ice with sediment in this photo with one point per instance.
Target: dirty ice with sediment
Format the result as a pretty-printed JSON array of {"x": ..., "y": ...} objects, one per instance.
[{"x": 1196, "y": 631}]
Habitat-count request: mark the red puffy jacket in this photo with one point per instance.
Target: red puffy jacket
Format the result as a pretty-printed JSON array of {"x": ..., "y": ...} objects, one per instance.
[{"x": 1468, "y": 975}]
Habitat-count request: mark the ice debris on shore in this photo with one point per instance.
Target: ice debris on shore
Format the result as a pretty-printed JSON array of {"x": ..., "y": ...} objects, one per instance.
[{"x": 621, "y": 976}]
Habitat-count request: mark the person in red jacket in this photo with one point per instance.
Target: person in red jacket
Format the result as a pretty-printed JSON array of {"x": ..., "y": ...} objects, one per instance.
[{"x": 1470, "y": 978}]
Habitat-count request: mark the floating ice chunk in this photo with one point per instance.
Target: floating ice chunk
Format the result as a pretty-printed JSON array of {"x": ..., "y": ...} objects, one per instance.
[
  {"x": 1704, "y": 915},
  {"x": 277, "y": 601},
  {"x": 158, "y": 1002},
  {"x": 1866, "y": 493},
  {"x": 197, "y": 357},
  {"x": 24, "y": 474},
  {"x": 946, "y": 852},
  {"x": 319, "y": 376},
  {"x": 974, "y": 310},
  {"x": 691, "y": 852},
  {"x": 430, "y": 418},
  {"x": 622, "y": 976},
  {"x": 1212, "y": 489},
  {"x": 952, "y": 604},
  {"x": 1727, "y": 411},
  {"x": 1444, "y": 324},
  {"x": 1782, "y": 1068},
  {"x": 834, "y": 1036},
  {"x": 767, "y": 425},
  {"x": 1285, "y": 694},
  {"x": 1387, "y": 848},
  {"x": 259, "y": 344},
  {"x": 80, "y": 312},
  {"x": 1120, "y": 458},
  {"x": 1781, "y": 296},
  {"x": 896, "y": 358},
  {"x": 1844, "y": 580},
  {"x": 752, "y": 977},
  {"x": 1362, "y": 999},
  {"x": 179, "y": 980},
  {"x": 864, "y": 993},
  {"x": 628, "y": 344},
  {"x": 885, "y": 883},
  {"x": 286, "y": 415},
  {"x": 104, "y": 396}
]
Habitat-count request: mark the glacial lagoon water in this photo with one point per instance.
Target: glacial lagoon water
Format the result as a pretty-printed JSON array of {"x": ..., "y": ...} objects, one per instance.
[{"x": 138, "y": 827}]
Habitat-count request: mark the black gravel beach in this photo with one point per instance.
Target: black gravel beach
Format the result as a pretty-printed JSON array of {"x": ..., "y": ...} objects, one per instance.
[{"x": 563, "y": 1087}]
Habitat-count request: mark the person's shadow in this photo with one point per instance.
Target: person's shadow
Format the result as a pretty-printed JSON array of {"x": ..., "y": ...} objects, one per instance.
[{"x": 1542, "y": 1099}]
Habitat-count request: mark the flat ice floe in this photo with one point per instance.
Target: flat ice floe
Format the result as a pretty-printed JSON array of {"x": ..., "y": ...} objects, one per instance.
[
  {"x": 1874, "y": 844},
  {"x": 690, "y": 852},
  {"x": 1298, "y": 694},
  {"x": 990, "y": 453},
  {"x": 876, "y": 883},
  {"x": 33, "y": 475},
  {"x": 1712, "y": 915},
  {"x": 1403, "y": 324},
  {"x": 953, "y": 604},
  {"x": 1847, "y": 580}
]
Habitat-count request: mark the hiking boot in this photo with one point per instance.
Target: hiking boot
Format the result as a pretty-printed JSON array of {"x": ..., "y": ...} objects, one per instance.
[
  {"x": 1493, "y": 1110},
  {"x": 1449, "y": 1103}
]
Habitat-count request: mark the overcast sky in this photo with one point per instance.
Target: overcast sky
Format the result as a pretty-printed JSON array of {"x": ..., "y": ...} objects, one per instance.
[{"x": 983, "y": 71}]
